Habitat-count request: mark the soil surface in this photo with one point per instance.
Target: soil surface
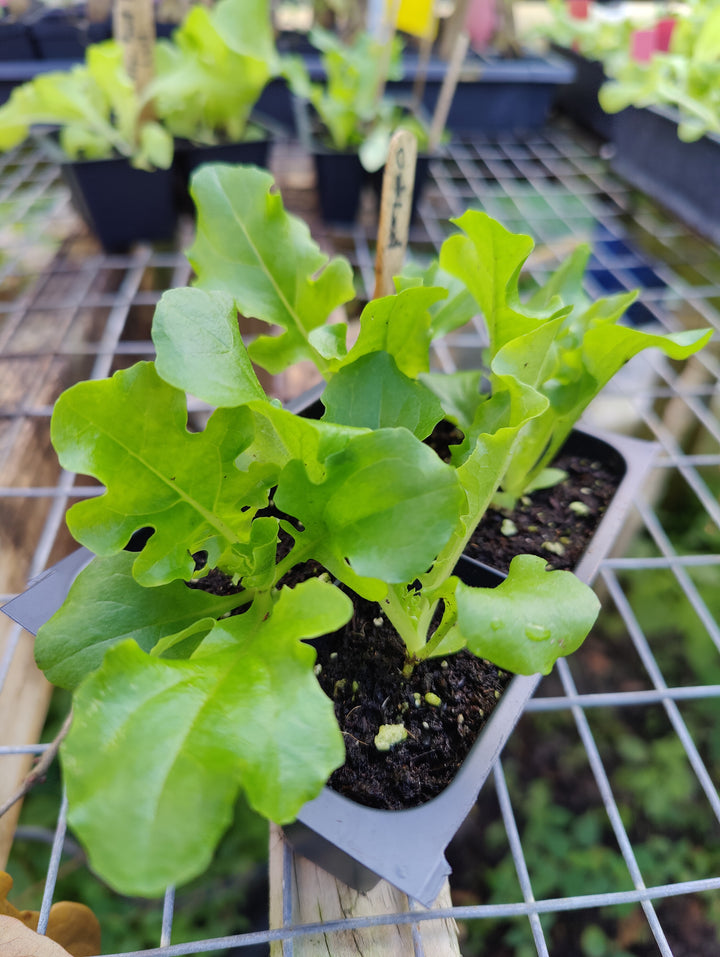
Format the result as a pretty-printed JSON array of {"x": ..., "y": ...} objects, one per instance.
[
  {"x": 361, "y": 669},
  {"x": 555, "y": 523}
]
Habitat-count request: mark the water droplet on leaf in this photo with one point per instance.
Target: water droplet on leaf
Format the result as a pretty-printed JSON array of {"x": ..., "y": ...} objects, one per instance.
[{"x": 537, "y": 632}]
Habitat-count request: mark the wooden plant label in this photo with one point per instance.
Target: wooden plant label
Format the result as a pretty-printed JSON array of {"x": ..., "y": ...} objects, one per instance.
[
  {"x": 395, "y": 209},
  {"x": 18, "y": 7},
  {"x": 98, "y": 10},
  {"x": 134, "y": 29}
]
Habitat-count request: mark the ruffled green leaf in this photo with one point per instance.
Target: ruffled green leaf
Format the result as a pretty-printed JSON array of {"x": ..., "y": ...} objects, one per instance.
[
  {"x": 209, "y": 77},
  {"x": 387, "y": 506},
  {"x": 159, "y": 749},
  {"x": 130, "y": 432},
  {"x": 372, "y": 393},
  {"x": 199, "y": 347},
  {"x": 450, "y": 313},
  {"x": 488, "y": 258},
  {"x": 570, "y": 360},
  {"x": 105, "y": 606},
  {"x": 248, "y": 246},
  {"x": 400, "y": 326}
]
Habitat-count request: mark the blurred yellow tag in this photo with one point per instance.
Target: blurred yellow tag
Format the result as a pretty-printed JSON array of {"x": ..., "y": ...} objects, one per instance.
[{"x": 415, "y": 16}]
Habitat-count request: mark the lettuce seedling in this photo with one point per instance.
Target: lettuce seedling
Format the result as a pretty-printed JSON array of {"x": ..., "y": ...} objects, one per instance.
[
  {"x": 208, "y": 77},
  {"x": 559, "y": 342},
  {"x": 211, "y": 73},
  {"x": 349, "y": 112},
  {"x": 179, "y": 705},
  {"x": 97, "y": 110}
]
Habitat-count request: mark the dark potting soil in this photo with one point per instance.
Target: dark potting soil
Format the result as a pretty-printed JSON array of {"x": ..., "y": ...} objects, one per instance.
[
  {"x": 555, "y": 523},
  {"x": 361, "y": 669}
]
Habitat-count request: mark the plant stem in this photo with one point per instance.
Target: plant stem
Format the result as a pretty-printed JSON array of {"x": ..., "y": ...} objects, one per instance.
[
  {"x": 41, "y": 767},
  {"x": 449, "y": 618},
  {"x": 408, "y": 629},
  {"x": 297, "y": 554}
]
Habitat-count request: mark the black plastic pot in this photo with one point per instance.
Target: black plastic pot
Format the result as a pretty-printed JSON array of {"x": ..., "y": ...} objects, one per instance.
[
  {"x": 275, "y": 104},
  {"x": 341, "y": 179},
  {"x": 680, "y": 176},
  {"x": 65, "y": 34},
  {"x": 495, "y": 94},
  {"x": 190, "y": 156},
  {"x": 123, "y": 205},
  {"x": 373, "y": 842},
  {"x": 46, "y": 592},
  {"x": 579, "y": 98},
  {"x": 15, "y": 41},
  {"x": 630, "y": 459},
  {"x": 361, "y": 845}
]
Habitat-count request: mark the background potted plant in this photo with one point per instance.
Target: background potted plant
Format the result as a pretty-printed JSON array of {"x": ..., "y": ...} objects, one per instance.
[
  {"x": 587, "y": 35},
  {"x": 667, "y": 127},
  {"x": 346, "y": 119},
  {"x": 116, "y": 162},
  {"x": 117, "y": 145},
  {"x": 655, "y": 80},
  {"x": 209, "y": 78}
]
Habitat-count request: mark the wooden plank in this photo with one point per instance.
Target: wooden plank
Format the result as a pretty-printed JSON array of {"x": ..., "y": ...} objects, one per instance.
[
  {"x": 24, "y": 702},
  {"x": 317, "y": 896}
]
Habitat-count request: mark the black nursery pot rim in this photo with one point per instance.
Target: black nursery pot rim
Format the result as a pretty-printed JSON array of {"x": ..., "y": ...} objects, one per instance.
[{"x": 680, "y": 176}]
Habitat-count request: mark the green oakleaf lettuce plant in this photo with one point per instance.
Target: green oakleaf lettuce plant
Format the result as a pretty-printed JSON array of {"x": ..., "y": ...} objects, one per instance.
[
  {"x": 178, "y": 705},
  {"x": 558, "y": 347},
  {"x": 96, "y": 108},
  {"x": 350, "y": 114},
  {"x": 212, "y": 71},
  {"x": 208, "y": 78}
]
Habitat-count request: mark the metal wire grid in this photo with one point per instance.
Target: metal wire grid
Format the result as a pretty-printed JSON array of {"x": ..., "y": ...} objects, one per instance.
[{"x": 556, "y": 187}]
